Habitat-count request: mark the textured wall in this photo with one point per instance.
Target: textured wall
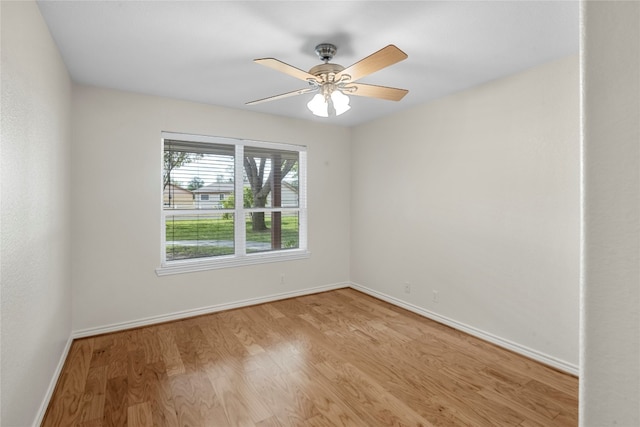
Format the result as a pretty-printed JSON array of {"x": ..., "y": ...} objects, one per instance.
[
  {"x": 476, "y": 196},
  {"x": 610, "y": 356},
  {"x": 35, "y": 251}
]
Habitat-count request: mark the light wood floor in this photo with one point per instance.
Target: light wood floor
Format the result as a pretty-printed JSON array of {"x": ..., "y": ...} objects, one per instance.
[{"x": 339, "y": 358}]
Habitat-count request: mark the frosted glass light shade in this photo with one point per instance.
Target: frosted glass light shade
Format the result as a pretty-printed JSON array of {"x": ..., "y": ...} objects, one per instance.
[
  {"x": 318, "y": 106},
  {"x": 340, "y": 102}
]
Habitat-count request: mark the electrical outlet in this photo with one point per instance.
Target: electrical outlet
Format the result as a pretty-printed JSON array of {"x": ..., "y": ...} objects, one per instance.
[
  {"x": 407, "y": 288},
  {"x": 436, "y": 296}
]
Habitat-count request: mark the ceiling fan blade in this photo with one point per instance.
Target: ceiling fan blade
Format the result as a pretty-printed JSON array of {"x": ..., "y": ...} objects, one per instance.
[
  {"x": 373, "y": 91},
  {"x": 283, "y": 95},
  {"x": 376, "y": 61},
  {"x": 285, "y": 68}
]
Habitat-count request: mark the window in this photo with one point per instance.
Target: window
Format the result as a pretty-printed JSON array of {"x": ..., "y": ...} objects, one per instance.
[{"x": 261, "y": 212}]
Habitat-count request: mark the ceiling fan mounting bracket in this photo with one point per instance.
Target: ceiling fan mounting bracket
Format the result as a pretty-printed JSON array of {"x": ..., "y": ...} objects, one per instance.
[{"x": 326, "y": 51}]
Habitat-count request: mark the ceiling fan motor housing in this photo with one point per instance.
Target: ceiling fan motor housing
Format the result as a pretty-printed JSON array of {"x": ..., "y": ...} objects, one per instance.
[
  {"x": 326, "y": 51},
  {"x": 326, "y": 72}
]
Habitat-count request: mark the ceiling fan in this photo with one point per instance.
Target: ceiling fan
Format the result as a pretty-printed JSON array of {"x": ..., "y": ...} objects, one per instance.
[{"x": 333, "y": 82}]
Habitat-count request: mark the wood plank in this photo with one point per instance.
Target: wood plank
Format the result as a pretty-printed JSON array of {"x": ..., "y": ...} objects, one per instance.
[
  {"x": 94, "y": 394},
  {"x": 370, "y": 398},
  {"x": 198, "y": 393},
  {"x": 285, "y": 400},
  {"x": 185, "y": 400},
  {"x": 66, "y": 403},
  {"x": 158, "y": 393},
  {"x": 333, "y": 410},
  {"x": 116, "y": 404},
  {"x": 139, "y": 415},
  {"x": 117, "y": 356},
  {"x": 238, "y": 411},
  {"x": 269, "y": 422},
  {"x": 169, "y": 350}
]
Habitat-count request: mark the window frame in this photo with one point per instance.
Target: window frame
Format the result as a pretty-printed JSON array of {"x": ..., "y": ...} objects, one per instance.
[{"x": 240, "y": 257}]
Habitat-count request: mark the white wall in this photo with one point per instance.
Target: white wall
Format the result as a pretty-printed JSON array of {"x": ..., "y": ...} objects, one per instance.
[
  {"x": 610, "y": 330},
  {"x": 35, "y": 248},
  {"x": 476, "y": 196},
  {"x": 116, "y": 170}
]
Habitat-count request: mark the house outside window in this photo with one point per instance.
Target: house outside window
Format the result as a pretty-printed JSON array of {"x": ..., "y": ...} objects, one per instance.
[
  {"x": 211, "y": 227},
  {"x": 175, "y": 196}
]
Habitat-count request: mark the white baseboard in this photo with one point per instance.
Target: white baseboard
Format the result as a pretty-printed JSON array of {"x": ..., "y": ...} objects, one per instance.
[
  {"x": 52, "y": 385},
  {"x": 83, "y": 333},
  {"x": 510, "y": 345}
]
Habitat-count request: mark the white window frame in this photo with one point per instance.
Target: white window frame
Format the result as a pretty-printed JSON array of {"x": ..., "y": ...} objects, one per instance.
[{"x": 241, "y": 257}]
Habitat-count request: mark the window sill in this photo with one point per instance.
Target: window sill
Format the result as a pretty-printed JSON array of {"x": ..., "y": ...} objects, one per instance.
[{"x": 189, "y": 266}]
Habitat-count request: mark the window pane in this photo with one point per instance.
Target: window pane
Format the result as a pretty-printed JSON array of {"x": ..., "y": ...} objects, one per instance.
[
  {"x": 260, "y": 174},
  {"x": 264, "y": 234},
  {"x": 196, "y": 177},
  {"x": 197, "y": 236}
]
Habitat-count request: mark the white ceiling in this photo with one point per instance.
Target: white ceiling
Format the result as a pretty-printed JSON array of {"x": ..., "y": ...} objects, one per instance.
[{"x": 202, "y": 51}]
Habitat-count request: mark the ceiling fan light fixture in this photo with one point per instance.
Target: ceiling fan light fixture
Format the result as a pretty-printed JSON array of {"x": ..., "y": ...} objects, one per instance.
[{"x": 333, "y": 105}]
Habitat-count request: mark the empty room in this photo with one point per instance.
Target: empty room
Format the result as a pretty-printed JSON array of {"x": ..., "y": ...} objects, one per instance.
[{"x": 345, "y": 213}]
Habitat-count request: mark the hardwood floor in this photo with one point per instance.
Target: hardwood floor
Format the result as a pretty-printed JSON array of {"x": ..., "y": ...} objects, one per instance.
[{"x": 339, "y": 358}]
